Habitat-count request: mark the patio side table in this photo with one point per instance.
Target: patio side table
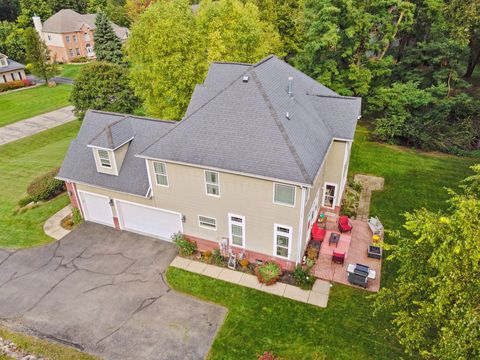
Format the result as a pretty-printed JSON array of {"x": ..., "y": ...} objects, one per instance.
[{"x": 334, "y": 238}]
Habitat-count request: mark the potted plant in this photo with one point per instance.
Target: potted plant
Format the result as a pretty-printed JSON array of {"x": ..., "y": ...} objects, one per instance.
[{"x": 268, "y": 273}]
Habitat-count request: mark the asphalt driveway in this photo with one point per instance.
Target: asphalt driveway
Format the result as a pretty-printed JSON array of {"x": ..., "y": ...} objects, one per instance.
[{"x": 103, "y": 291}]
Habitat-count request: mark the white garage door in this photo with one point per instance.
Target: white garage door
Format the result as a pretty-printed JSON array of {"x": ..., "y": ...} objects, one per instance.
[
  {"x": 96, "y": 208},
  {"x": 148, "y": 220}
]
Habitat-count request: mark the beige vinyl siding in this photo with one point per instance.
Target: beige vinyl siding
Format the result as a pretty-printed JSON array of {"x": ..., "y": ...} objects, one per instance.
[
  {"x": 120, "y": 155},
  {"x": 239, "y": 195},
  {"x": 115, "y": 195},
  {"x": 331, "y": 171}
]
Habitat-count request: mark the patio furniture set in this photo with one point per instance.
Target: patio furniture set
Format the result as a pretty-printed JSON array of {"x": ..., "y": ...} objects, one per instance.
[{"x": 357, "y": 274}]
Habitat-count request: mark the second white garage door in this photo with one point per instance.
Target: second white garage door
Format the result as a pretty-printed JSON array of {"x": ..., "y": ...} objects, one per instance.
[{"x": 148, "y": 220}]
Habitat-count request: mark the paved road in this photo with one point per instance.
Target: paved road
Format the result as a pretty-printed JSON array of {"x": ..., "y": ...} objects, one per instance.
[
  {"x": 57, "y": 79},
  {"x": 103, "y": 291},
  {"x": 36, "y": 124}
]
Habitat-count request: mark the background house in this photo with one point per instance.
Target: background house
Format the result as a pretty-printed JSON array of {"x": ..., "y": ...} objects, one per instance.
[
  {"x": 69, "y": 34},
  {"x": 10, "y": 70}
]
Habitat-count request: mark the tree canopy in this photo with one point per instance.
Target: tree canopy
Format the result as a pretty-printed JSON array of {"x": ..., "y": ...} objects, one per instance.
[
  {"x": 436, "y": 295},
  {"x": 103, "y": 86},
  {"x": 38, "y": 55}
]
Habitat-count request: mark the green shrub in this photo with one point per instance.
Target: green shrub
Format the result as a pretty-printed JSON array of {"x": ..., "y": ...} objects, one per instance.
[
  {"x": 79, "y": 59},
  {"x": 76, "y": 217},
  {"x": 25, "y": 201},
  {"x": 217, "y": 257},
  {"x": 303, "y": 277},
  {"x": 268, "y": 273},
  {"x": 45, "y": 187},
  {"x": 185, "y": 246}
]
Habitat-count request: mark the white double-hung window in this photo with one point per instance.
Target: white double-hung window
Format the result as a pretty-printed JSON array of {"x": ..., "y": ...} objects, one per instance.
[
  {"x": 212, "y": 183},
  {"x": 284, "y": 194},
  {"x": 282, "y": 240},
  {"x": 104, "y": 158},
  {"x": 160, "y": 170}
]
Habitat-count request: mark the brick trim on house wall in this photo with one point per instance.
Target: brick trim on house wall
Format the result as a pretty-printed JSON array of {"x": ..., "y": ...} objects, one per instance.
[
  {"x": 252, "y": 256},
  {"x": 72, "y": 194}
]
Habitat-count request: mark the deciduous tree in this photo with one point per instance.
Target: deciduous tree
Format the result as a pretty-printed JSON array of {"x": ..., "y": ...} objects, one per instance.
[
  {"x": 167, "y": 59},
  {"x": 436, "y": 295},
  {"x": 29, "y": 8},
  {"x": 233, "y": 31},
  {"x": 38, "y": 55},
  {"x": 9, "y": 10},
  {"x": 103, "y": 86}
]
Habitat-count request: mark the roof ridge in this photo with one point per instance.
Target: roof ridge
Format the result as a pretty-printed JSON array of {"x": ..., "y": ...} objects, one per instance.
[
  {"x": 108, "y": 128},
  {"x": 281, "y": 128},
  {"x": 264, "y": 60},
  {"x": 199, "y": 108},
  {"x": 333, "y": 96},
  {"x": 132, "y": 116},
  {"x": 231, "y": 63}
]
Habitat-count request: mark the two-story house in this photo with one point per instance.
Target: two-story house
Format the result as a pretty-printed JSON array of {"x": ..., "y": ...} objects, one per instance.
[
  {"x": 69, "y": 34},
  {"x": 261, "y": 149},
  {"x": 10, "y": 70}
]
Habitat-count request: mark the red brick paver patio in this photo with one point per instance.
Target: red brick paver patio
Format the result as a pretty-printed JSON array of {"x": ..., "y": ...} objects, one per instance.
[{"x": 354, "y": 245}]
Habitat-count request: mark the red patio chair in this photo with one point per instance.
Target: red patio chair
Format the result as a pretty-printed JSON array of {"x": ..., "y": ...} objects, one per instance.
[
  {"x": 338, "y": 257},
  {"x": 318, "y": 234},
  {"x": 344, "y": 224}
]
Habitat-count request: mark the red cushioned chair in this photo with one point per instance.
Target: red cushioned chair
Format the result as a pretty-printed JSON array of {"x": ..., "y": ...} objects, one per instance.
[
  {"x": 318, "y": 234},
  {"x": 344, "y": 224},
  {"x": 338, "y": 257}
]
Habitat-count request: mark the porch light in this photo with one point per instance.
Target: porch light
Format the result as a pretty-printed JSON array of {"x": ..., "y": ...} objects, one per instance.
[{"x": 184, "y": 218}]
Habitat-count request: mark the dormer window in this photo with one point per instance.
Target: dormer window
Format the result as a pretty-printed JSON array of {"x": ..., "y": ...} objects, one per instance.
[
  {"x": 3, "y": 61},
  {"x": 104, "y": 159}
]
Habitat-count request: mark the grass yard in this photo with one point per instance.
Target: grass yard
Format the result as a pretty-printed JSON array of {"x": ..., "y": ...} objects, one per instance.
[
  {"x": 346, "y": 329},
  {"x": 20, "y": 162},
  {"x": 24, "y": 104},
  {"x": 70, "y": 71},
  {"x": 39, "y": 347}
]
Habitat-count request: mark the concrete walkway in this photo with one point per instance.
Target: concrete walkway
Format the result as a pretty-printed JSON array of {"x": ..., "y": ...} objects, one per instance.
[
  {"x": 52, "y": 226},
  {"x": 318, "y": 296},
  {"x": 36, "y": 124}
]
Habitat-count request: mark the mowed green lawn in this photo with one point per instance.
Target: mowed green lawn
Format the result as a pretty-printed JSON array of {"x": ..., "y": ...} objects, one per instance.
[
  {"x": 20, "y": 162},
  {"x": 346, "y": 329},
  {"x": 20, "y": 105},
  {"x": 70, "y": 71}
]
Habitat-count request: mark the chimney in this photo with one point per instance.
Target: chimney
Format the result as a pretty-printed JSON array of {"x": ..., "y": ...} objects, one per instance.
[
  {"x": 37, "y": 22},
  {"x": 290, "y": 86}
]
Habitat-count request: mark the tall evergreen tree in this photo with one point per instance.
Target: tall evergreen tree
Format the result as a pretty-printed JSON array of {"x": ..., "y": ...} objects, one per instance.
[
  {"x": 107, "y": 44},
  {"x": 38, "y": 55},
  {"x": 9, "y": 9}
]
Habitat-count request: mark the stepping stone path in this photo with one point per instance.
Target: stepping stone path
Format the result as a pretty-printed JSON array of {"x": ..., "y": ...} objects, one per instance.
[
  {"x": 318, "y": 296},
  {"x": 369, "y": 184}
]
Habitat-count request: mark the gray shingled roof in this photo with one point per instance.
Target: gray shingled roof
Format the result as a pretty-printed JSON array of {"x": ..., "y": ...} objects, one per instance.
[
  {"x": 115, "y": 134},
  {"x": 67, "y": 20},
  {"x": 243, "y": 127},
  {"x": 11, "y": 65},
  {"x": 79, "y": 164}
]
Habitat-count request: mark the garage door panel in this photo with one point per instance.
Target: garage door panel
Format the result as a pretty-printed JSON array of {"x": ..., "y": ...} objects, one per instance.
[
  {"x": 147, "y": 220},
  {"x": 96, "y": 208}
]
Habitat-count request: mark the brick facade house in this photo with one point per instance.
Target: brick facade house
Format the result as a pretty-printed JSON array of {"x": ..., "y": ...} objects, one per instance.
[{"x": 69, "y": 34}]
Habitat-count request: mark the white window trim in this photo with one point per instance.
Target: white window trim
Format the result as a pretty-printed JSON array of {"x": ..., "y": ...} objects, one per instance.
[
  {"x": 207, "y": 227},
  {"x": 334, "y": 198},
  {"x": 109, "y": 159},
  {"x": 290, "y": 239},
  {"x": 206, "y": 183},
  {"x": 155, "y": 173},
  {"x": 230, "y": 230},
  {"x": 294, "y": 195}
]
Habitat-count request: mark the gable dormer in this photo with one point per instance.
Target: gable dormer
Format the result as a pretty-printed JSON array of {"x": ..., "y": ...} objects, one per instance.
[
  {"x": 3, "y": 60},
  {"x": 111, "y": 145}
]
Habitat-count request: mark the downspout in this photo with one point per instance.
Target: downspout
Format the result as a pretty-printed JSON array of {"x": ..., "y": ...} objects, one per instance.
[
  {"x": 300, "y": 227},
  {"x": 77, "y": 199}
]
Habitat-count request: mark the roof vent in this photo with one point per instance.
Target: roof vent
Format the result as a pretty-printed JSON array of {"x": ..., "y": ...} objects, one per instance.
[
  {"x": 287, "y": 115},
  {"x": 290, "y": 86},
  {"x": 245, "y": 78}
]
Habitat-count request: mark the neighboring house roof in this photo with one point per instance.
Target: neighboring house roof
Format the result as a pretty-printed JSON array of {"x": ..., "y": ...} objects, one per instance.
[
  {"x": 230, "y": 124},
  {"x": 243, "y": 126},
  {"x": 79, "y": 163},
  {"x": 11, "y": 65},
  {"x": 67, "y": 21}
]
